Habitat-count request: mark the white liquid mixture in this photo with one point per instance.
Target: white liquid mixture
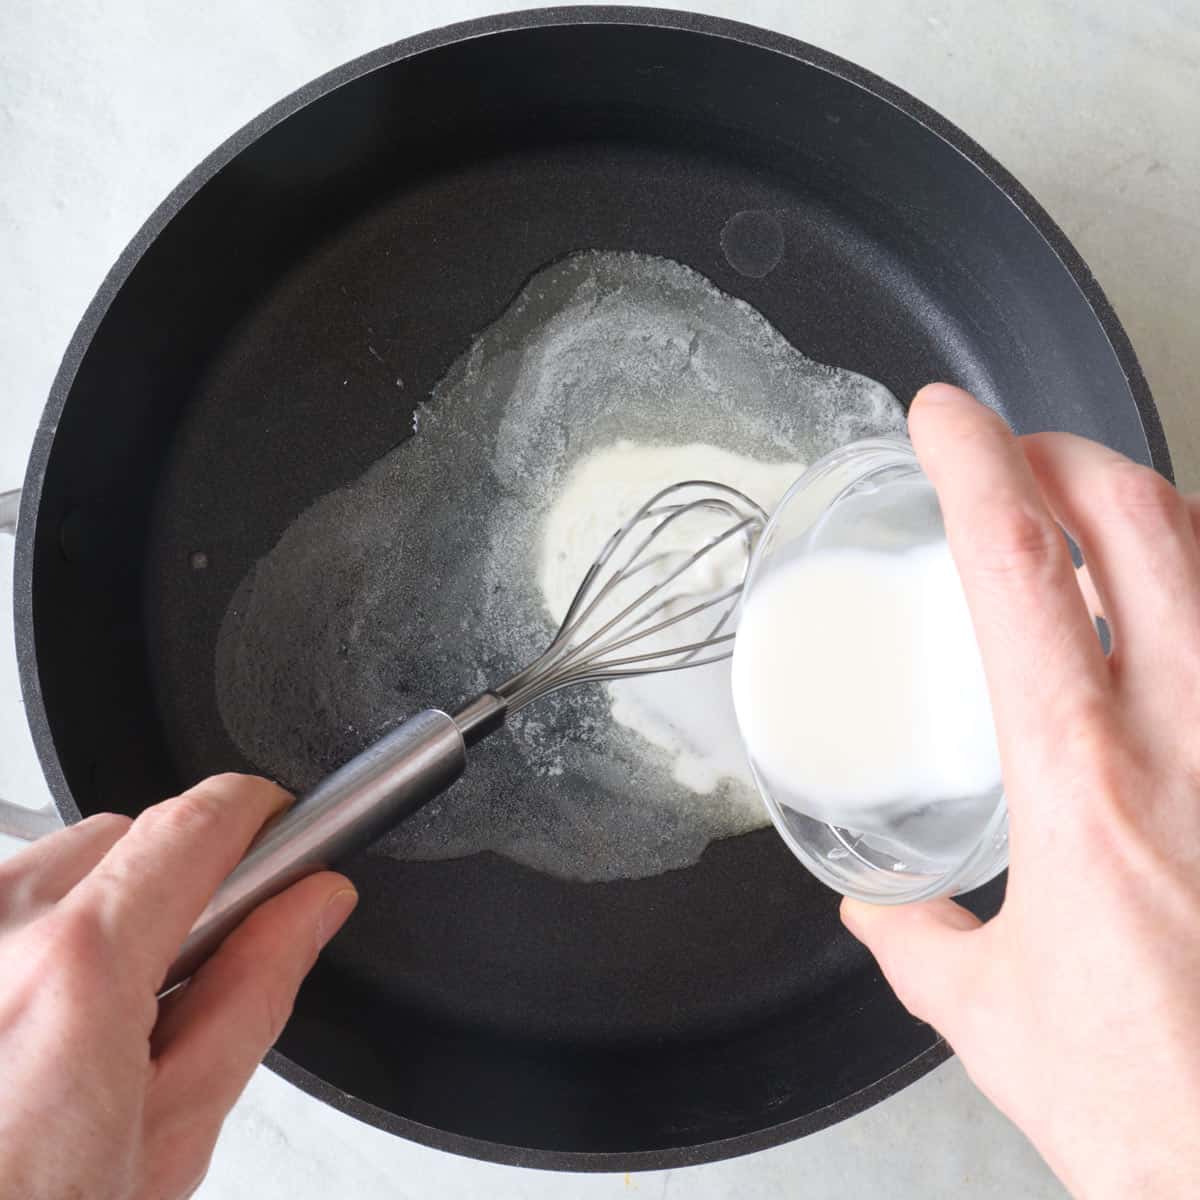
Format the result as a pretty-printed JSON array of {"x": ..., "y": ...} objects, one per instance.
[
  {"x": 418, "y": 582},
  {"x": 859, "y": 689},
  {"x": 688, "y": 714}
]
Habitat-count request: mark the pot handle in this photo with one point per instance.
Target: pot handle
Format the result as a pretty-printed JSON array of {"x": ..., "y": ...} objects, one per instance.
[
  {"x": 9, "y": 503},
  {"x": 17, "y": 821}
]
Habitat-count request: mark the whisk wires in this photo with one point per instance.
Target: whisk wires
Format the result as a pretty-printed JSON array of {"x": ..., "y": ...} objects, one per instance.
[{"x": 611, "y": 631}]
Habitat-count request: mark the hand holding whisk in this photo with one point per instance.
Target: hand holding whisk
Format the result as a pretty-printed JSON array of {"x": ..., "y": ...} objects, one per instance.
[{"x": 661, "y": 596}]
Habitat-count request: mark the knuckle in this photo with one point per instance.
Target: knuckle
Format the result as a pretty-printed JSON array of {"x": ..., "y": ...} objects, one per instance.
[
  {"x": 1089, "y": 734},
  {"x": 1108, "y": 831},
  {"x": 81, "y": 956},
  {"x": 1089, "y": 744},
  {"x": 203, "y": 809},
  {"x": 1106, "y": 775},
  {"x": 237, "y": 788},
  {"x": 74, "y": 932},
  {"x": 75, "y": 946},
  {"x": 1015, "y": 541},
  {"x": 192, "y": 816},
  {"x": 1141, "y": 494}
]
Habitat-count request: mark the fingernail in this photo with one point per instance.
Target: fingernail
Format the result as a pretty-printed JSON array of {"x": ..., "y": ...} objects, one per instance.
[
  {"x": 333, "y": 916},
  {"x": 940, "y": 393}
]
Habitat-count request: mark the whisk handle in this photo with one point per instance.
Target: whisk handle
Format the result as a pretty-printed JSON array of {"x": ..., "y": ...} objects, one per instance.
[{"x": 344, "y": 813}]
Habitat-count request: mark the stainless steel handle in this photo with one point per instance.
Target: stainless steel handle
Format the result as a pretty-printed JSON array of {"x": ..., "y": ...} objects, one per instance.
[
  {"x": 355, "y": 805},
  {"x": 27, "y": 824}
]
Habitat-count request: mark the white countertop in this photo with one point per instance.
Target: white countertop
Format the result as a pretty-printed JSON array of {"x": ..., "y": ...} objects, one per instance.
[{"x": 104, "y": 107}]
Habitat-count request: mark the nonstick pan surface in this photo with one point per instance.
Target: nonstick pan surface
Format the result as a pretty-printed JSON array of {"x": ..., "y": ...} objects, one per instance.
[{"x": 475, "y": 1005}]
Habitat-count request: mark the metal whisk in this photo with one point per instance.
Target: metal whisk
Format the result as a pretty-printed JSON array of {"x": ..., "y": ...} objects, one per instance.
[{"x": 659, "y": 597}]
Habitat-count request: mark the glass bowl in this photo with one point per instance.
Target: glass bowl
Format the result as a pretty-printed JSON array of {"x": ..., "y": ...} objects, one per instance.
[{"x": 872, "y": 495}]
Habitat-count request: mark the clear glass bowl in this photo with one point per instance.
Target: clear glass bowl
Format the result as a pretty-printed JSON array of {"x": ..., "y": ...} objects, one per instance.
[{"x": 873, "y": 495}]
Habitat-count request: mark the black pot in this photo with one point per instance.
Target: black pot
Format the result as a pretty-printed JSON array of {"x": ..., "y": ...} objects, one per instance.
[{"x": 474, "y": 1005}]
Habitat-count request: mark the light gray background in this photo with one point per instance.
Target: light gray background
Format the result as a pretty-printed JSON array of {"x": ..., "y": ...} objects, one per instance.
[{"x": 104, "y": 107}]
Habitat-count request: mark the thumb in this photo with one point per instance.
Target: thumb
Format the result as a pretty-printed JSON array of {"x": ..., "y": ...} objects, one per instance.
[
  {"x": 925, "y": 951},
  {"x": 214, "y": 1031}
]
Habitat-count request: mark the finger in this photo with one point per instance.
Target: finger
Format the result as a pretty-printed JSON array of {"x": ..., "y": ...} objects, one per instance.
[
  {"x": 213, "y": 1033},
  {"x": 1136, "y": 533},
  {"x": 1040, "y": 651},
  {"x": 45, "y": 872},
  {"x": 1193, "y": 506},
  {"x": 924, "y": 950},
  {"x": 150, "y": 888}
]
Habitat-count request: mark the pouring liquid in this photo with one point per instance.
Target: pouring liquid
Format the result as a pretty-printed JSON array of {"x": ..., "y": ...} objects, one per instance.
[{"x": 861, "y": 698}]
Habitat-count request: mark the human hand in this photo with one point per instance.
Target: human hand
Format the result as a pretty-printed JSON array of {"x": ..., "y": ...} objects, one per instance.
[
  {"x": 1076, "y": 1009},
  {"x": 109, "y": 1093}
]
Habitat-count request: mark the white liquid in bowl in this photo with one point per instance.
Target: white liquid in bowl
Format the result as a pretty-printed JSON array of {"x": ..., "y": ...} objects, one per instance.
[{"x": 861, "y": 698}]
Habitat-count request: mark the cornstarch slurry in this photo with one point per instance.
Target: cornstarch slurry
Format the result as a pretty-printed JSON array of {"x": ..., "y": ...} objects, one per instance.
[{"x": 441, "y": 569}]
